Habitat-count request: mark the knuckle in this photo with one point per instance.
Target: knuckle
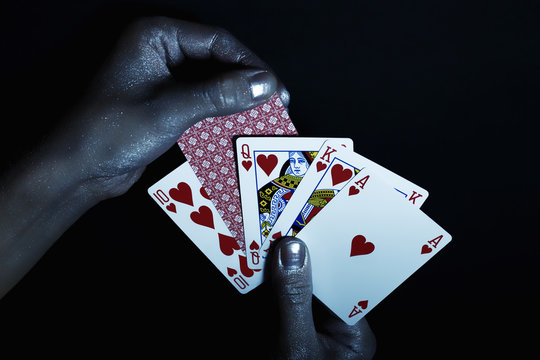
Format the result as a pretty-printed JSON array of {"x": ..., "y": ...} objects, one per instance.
[
  {"x": 294, "y": 289},
  {"x": 222, "y": 33},
  {"x": 243, "y": 56},
  {"x": 221, "y": 37},
  {"x": 223, "y": 94},
  {"x": 297, "y": 295},
  {"x": 215, "y": 96}
]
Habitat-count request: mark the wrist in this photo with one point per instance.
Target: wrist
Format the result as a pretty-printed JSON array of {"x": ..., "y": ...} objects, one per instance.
[
  {"x": 43, "y": 186},
  {"x": 40, "y": 199},
  {"x": 81, "y": 159}
]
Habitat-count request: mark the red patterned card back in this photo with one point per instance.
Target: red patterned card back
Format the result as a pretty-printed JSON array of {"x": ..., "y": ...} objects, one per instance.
[{"x": 209, "y": 149}]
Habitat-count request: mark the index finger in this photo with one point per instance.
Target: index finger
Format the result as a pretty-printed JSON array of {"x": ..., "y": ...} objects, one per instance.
[
  {"x": 204, "y": 42},
  {"x": 198, "y": 41}
]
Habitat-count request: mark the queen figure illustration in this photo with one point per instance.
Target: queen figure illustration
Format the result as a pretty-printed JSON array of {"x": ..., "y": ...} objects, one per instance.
[{"x": 274, "y": 195}]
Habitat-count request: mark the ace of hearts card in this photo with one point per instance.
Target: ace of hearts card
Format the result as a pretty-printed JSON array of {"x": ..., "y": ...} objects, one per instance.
[
  {"x": 334, "y": 166},
  {"x": 366, "y": 244}
]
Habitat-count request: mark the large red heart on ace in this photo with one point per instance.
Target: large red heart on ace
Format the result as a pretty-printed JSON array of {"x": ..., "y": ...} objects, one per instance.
[{"x": 360, "y": 246}]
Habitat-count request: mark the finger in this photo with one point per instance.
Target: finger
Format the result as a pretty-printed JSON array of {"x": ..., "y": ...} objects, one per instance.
[
  {"x": 291, "y": 278},
  {"x": 199, "y": 41},
  {"x": 284, "y": 95},
  {"x": 179, "y": 105},
  {"x": 203, "y": 42},
  {"x": 182, "y": 39}
]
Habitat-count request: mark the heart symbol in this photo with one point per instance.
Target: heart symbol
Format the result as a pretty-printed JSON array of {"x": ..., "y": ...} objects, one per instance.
[
  {"x": 182, "y": 194},
  {"x": 227, "y": 244},
  {"x": 321, "y": 166},
  {"x": 363, "y": 304},
  {"x": 426, "y": 249},
  {"x": 254, "y": 245},
  {"x": 244, "y": 268},
  {"x": 203, "y": 217},
  {"x": 339, "y": 174},
  {"x": 231, "y": 272},
  {"x": 204, "y": 193},
  {"x": 246, "y": 164},
  {"x": 276, "y": 235},
  {"x": 171, "y": 207},
  {"x": 353, "y": 191},
  {"x": 359, "y": 246},
  {"x": 267, "y": 163}
]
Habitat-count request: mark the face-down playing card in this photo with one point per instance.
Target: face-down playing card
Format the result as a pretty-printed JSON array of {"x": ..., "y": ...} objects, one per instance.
[
  {"x": 332, "y": 169},
  {"x": 269, "y": 171},
  {"x": 181, "y": 195},
  {"x": 208, "y": 147},
  {"x": 367, "y": 243}
]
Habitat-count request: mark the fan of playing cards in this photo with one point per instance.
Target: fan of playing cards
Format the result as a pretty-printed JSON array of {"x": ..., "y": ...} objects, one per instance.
[{"x": 250, "y": 180}]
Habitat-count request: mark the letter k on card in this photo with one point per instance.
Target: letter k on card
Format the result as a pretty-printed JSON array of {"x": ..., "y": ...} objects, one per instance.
[{"x": 367, "y": 242}]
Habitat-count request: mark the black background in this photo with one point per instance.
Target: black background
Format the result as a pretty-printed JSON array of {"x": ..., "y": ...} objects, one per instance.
[{"x": 443, "y": 93}]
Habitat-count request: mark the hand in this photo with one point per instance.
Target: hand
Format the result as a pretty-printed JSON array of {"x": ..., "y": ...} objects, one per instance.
[
  {"x": 136, "y": 109},
  {"x": 138, "y": 106},
  {"x": 298, "y": 337}
]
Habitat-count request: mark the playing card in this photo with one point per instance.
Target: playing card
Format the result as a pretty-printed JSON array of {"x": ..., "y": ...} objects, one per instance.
[
  {"x": 333, "y": 167},
  {"x": 269, "y": 171},
  {"x": 208, "y": 147},
  {"x": 366, "y": 244},
  {"x": 181, "y": 195}
]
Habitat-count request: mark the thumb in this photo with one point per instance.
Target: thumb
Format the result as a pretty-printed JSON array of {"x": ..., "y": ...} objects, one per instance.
[
  {"x": 228, "y": 93},
  {"x": 291, "y": 278}
]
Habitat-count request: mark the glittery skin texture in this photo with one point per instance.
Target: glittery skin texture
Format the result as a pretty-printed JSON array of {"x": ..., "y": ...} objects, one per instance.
[
  {"x": 137, "y": 109},
  {"x": 299, "y": 338},
  {"x": 134, "y": 111}
]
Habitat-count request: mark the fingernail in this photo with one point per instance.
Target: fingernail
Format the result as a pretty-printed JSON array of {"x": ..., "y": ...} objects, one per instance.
[
  {"x": 262, "y": 84},
  {"x": 292, "y": 255}
]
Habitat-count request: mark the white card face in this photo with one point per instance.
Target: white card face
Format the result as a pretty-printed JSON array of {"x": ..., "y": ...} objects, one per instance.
[
  {"x": 367, "y": 243},
  {"x": 332, "y": 169},
  {"x": 269, "y": 171},
  {"x": 182, "y": 197}
]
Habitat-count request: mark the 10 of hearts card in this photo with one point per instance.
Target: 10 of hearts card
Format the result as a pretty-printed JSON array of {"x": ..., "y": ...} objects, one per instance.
[{"x": 250, "y": 179}]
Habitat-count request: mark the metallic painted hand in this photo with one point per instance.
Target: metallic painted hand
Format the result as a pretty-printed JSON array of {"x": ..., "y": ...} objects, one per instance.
[
  {"x": 137, "y": 108},
  {"x": 299, "y": 338},
  {"x": 134, "y": 111}
]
